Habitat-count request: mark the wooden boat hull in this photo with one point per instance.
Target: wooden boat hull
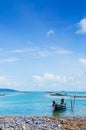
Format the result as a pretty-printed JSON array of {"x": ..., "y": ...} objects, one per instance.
[{"x": 59, "y": 107}]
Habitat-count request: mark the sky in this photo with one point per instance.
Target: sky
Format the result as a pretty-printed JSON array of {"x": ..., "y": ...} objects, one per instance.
[{"x": 43, "y": 45}]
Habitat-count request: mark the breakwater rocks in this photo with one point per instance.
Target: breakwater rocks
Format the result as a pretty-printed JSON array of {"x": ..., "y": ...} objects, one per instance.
[{"x": 41, "y": 123}]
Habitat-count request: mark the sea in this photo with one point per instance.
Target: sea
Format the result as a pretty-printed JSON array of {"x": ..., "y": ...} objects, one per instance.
[{"x": 40, "y": 104}]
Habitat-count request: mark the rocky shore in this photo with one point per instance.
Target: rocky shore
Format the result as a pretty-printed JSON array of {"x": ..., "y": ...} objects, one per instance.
[{"x": 42, "y": 123}]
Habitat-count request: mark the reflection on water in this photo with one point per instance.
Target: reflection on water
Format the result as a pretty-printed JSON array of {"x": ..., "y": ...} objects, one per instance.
[{"x": 59, "y": 112}]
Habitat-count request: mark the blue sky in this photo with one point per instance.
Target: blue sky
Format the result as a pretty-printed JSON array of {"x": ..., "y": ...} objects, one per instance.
[{"x": 43, "y": 45}]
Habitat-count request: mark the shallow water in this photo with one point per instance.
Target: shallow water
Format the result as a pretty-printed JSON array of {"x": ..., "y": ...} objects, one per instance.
[{"x": 39, "y": 103}]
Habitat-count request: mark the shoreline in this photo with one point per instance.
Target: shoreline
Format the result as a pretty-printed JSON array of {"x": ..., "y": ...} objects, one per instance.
[{"x": 42, "y": 123}]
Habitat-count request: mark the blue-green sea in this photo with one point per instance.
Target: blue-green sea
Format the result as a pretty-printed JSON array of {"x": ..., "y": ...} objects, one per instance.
[{"x": 40, "y": 104}]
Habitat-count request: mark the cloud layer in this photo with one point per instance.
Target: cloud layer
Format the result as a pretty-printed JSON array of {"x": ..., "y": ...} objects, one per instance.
[
  {"x": 41, "y": 52},
  {"x": 51, "y": 80},
  {"x": 57, "y": 82},
  {"x": 6, "y": 82}
]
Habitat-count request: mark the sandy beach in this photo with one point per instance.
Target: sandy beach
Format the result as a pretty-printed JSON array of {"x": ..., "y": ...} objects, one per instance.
[{"x": 42, "y": 123}]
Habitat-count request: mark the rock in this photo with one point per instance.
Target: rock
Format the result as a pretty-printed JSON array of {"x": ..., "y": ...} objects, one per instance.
[{"x": 41, "y": 123}]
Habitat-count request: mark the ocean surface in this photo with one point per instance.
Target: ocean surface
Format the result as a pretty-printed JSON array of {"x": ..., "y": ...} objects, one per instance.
[{"x": 40, "y": 104}]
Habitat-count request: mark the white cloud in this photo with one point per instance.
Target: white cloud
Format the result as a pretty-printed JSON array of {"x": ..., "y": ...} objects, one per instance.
[
  {"x": 56, "y": 82},
  {"x": 51, "y": 79},
  {"x": 71, "y": 26},
  {"x": 50, "y": 32},
  {"x": 12, "y": 59},
  {"x": 38, "y": 78},
  {"x": 6, "y": 82},
  {"x": 24, "y": 50},
  {"x": 83, "y": 61},
  {"x": 41, "y": 52},
  {"x": 63, "y": 52},
  {"x": 82, "y": 26}
]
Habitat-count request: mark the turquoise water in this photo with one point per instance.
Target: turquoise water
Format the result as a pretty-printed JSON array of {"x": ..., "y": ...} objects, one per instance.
[{"x": 39, "y": 103}]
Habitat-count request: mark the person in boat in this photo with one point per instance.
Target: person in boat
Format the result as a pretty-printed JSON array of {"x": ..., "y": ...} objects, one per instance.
[
  {"x": 62, "y": 102},
  {"x": 54, "y": 104}
]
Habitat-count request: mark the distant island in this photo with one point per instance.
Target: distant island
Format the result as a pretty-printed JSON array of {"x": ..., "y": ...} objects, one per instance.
[
  {"x": 8, "y": 91},
  {"x": 59, "y": 94}
]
